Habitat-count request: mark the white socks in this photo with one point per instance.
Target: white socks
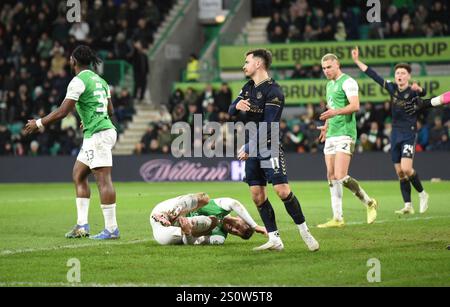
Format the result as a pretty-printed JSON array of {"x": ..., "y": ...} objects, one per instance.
[
  {"x": 336, "y": 191},
  {"x": 82, "y": 210},
  {"x": 408, "y": 205},
  {"x": 109, "y": 213}
]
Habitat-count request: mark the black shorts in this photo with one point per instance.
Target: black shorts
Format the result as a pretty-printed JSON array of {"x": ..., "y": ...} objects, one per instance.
[
  {"x": 403, "y": 145},
  {"x": 258, "y": 172}
]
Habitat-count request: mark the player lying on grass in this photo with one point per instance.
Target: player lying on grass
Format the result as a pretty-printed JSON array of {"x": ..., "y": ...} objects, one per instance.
[
  {"x": 196, "y": 219},
  {"x": 221, "y": 208},
  {"x": 404, "y": 130},
  {"x": 418, "y": 104}
]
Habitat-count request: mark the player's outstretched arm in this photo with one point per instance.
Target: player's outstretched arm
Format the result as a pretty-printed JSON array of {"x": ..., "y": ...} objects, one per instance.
[
  {"x": 230, "y": 204},
  {"x": 358, "y": 62},
  {"x": 34, "y": 125},
  {"x": 418, "y": 104},
  {"x": 369, "y": 71}
]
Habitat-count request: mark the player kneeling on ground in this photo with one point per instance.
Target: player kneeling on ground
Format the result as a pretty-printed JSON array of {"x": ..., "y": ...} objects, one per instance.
[{"x": 195, "y": 219}]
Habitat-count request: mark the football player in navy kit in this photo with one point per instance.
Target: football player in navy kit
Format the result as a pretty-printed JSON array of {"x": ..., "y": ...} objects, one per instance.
[
  {"x": 261, "y": 102},
  {"x": 404, "y": 129}
]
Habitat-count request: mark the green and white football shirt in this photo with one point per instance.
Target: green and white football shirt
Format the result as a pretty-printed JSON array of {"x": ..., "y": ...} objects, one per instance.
[
  {"x": 338, "y": 92},
  {"x": 91, "y": 93}
]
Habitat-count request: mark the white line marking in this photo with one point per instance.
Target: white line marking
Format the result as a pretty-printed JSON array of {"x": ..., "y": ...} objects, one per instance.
[
  {"x": 43, "y": 200},
  {"x": 402, "y": 219},
  {"x": 55, "y": 248}
]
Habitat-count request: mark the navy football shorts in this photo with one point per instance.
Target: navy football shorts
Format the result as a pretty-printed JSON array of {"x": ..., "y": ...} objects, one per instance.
[
  {"x": 258, "y": 172},
  {"x": 403, "y": 145}
]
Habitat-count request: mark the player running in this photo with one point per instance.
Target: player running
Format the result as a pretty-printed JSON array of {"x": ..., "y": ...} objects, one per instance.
[
  {"x": 339, "y": 135},
  {"x": 404, "y": 130},
  {"x": 197, "y": 219},
  {"x": 91, "y": 96},
  {"x": 418, "y": 104},
  {"x": 262, "y": 101}
]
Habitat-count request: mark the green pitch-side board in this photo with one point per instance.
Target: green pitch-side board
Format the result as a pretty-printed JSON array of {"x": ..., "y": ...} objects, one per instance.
[
  {"x": 313, "y": 90},
  {"x": 371, "y": 51}
]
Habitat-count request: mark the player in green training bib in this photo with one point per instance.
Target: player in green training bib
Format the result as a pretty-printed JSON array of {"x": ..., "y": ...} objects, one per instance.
[
  {"x": 339, "y": 134},
  {"x": 90, "y": 94}
]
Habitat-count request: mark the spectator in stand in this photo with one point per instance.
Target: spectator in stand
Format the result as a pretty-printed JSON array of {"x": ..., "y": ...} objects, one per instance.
[
  {"x": 422, "y": 136},
  {"x": 223, "y": 99},
  {"x": 436, "y": 134},
  {"x": 139, "y": 60},
  {"x": 299, "y": 72},
  {"x": 277, "y": 29},
  {"x": 193, "y": 69},
  {"x": 207, "y": 97}
]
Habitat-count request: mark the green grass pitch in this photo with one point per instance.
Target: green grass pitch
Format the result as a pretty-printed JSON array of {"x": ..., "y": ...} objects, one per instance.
[{"x": 411, "y": 250}]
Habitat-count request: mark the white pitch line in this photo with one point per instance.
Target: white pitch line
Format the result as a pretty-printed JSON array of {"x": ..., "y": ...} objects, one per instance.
[
  {"x": 43, "y": 200},
  {"x": 55, "y": 248},
  {"x": 400, "y": 219},
  {"x": 65, "y": 284}
]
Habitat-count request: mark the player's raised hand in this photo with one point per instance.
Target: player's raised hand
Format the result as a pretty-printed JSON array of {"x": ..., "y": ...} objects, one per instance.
[
  {"x": 243, "y": 105},
  {"x": 355, "y": 54},
  {"x": 261, "y": 230},
  {"x": 323, "y": 133},
  {"x": 31, "y": 127},
  {"x": 416, "y": 88}
]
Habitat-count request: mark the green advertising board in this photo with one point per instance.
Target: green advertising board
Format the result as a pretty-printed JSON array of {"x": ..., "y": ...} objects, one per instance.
[
  {"x": 371, "y": 52},
  {"x": 313, "y": 91}
]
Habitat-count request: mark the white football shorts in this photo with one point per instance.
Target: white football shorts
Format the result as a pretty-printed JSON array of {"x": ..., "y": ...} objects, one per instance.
[
  {"x": 336, "y": 144},
  {"x": 96, "y": 151},
  {"x": 164, "y": 235}
]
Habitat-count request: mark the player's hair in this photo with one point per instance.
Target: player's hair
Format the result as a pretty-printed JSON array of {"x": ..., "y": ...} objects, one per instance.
[
  {"x": 263, "y": 54},
  {"x": 248, "y": 233},
  {"x": 85, "y": 56},
  {"x": 403, "y": 65},
  {"x": 330, "y": 56}
]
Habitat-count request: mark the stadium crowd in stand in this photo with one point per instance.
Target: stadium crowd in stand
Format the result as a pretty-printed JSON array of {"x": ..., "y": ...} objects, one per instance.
[
  {"x": 329, "y": 20},
  {"x": 36, "y": 41},
  {"x": 299, "y": 133}
]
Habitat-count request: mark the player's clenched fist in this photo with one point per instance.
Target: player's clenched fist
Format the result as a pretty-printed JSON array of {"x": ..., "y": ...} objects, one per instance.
[{"x": 243, "y": 105}]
